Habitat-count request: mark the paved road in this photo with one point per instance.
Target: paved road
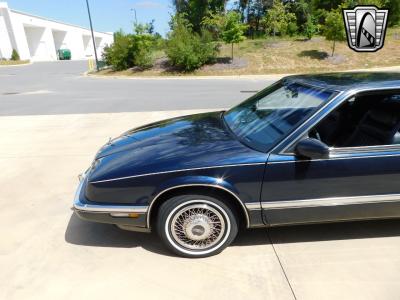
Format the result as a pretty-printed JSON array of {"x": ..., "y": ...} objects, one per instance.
[{"x": 60, "y": 88}]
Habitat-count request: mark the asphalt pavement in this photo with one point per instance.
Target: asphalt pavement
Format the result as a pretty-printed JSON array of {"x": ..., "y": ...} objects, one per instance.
[{"x": 60, "y": 88}]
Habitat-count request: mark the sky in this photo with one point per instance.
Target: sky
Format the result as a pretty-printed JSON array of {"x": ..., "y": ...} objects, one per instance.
[{"x": 107, "y": 15}]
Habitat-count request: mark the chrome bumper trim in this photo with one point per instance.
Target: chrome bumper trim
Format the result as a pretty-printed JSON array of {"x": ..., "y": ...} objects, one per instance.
[{"x": 98, "y": 208}]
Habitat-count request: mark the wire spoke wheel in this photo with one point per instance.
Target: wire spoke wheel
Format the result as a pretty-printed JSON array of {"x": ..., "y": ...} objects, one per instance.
[{"x": 198, "y": 226}]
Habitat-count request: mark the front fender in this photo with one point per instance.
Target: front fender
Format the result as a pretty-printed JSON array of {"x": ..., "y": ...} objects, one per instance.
[{"x": 183, "y": 181}]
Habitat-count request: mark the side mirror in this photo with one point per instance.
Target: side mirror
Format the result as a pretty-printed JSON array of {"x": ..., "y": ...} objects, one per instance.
[{"x": 312, "y": 149}]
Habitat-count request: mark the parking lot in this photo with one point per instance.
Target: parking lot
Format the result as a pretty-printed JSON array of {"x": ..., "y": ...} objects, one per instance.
[{"x": 51, "y": 128}]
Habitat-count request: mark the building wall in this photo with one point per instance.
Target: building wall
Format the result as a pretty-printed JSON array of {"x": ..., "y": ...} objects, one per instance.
[
  {"x": 5, "y": 44},
  {"x": 38, "y": 39}
]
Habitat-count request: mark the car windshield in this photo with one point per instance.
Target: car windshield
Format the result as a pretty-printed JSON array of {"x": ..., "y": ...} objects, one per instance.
[{"x": 267, "y": 117}]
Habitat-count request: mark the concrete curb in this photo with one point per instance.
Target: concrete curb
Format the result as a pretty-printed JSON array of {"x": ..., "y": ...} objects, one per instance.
[
  {"x": 229, "y": 77},
  {"x": 18, "y": 65},
  {"x": 191, "y": 77}
]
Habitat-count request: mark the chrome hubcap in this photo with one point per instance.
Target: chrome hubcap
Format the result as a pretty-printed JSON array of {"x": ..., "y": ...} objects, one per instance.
[{"x": 198, "y": 226}]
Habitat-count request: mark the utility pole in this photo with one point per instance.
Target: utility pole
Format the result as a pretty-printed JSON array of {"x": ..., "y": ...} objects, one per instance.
[{"x": 91, "y": 29}]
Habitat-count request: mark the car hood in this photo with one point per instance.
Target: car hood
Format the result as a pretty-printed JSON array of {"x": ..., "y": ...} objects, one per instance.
[{"x": 193, "y": 141}]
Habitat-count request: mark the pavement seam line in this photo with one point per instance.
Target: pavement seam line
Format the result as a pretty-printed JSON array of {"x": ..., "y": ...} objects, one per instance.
[{"x": 281, "y": 265}]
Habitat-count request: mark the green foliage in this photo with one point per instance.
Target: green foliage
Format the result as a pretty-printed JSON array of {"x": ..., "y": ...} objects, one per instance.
[
  {"x": 143, "y": 45},
  {"x": 129, "y": 50},
  {"x": 196, "y": 10},
  {"x": 15, "y": 55},
  {"x": 394, "y": 11},
  {"x": 214, "y": 22},
  {"x": 227, "y": 26},
  {"x": 188, "y": 50},
  {"x": 233, "y": 30},
  {"x": 310, "y": 28},
  {"x": 301, "y": 9},
  {"x": 278, "y": 19},
  {"x": 120, "y": 54},
  {"x": 275, "y": 17},
  {"x": 292, "y": 29},
  {"x": 334, "y": 27}
]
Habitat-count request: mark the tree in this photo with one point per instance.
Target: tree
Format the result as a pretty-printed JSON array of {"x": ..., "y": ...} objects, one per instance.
[
  {"x": 14, "y": 55},
  {"x": 301, "y": 9},
  {"x": 234, "y": 29},
  {"x": 394, "y": 8},
  {"x": 196, "y": 10},
  {"x": 214, "y": 22},
  {"x": 334, "y": 28},
  {"x": 277, "y": 19},
  {"x": 310, "y": 28},
  {"x": 227, "y": 26}
]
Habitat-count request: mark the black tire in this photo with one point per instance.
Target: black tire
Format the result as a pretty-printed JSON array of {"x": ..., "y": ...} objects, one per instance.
[{"x": 225, "y": 230}]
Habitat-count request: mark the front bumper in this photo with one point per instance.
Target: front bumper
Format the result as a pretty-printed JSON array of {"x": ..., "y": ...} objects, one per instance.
[{"x": 129, "y": 217}]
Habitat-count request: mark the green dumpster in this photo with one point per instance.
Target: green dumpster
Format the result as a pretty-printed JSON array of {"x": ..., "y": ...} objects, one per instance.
[{"x": 64, "y": 54}]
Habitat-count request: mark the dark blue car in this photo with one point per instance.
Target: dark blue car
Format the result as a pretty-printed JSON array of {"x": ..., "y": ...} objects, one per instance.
[{"x": 308, "y": 149}]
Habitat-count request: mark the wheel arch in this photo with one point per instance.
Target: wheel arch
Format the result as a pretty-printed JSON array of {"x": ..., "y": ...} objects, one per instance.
[{"x": 210, "y": 189}]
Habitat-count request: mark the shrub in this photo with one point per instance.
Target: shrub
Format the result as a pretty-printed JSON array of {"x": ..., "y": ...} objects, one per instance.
[
  {"x": 129, "y": 50},
  {"x": 186, "y": 49},
  {"x": 292, "y": 29},
  {"x": 143, "y": 45},
  {"x": 120, "y": 54},
  {"x": 15, "y": 55}
]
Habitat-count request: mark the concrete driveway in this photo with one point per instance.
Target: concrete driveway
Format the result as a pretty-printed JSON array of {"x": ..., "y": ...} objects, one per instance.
[
  {"x": 48, "y": 253},
  {"x": 53, "y": 121}
]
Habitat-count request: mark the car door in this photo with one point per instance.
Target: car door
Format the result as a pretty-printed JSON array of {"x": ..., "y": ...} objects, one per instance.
[
  {"x": 349, "y": 185},
  {"x": 353, "y": 183}
]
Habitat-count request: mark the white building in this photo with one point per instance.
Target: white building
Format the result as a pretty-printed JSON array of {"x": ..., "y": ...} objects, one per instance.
[{"x": 38, "y": 39}]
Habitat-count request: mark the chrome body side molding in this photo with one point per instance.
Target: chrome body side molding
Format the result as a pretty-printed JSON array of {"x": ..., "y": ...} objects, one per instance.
[
  {"x": 320, "y": 202},
  {"x": 253, "y": 206}
]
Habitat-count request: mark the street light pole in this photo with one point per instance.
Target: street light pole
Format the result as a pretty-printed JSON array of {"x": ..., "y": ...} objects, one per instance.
[
  {"x": 91, "y": 29},
  {"x": 134, "y": 10}
]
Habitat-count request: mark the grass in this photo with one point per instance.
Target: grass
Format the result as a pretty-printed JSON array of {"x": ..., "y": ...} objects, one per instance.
[
  {"x": 13, "y": 62},
  {"x": 290, "y": 55}
]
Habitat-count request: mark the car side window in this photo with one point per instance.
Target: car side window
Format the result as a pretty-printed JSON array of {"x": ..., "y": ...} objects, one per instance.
[{"x": 362, "y": 121}]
